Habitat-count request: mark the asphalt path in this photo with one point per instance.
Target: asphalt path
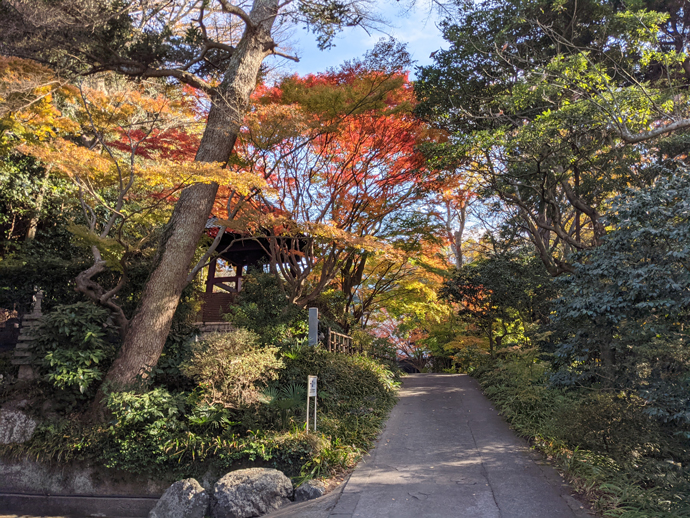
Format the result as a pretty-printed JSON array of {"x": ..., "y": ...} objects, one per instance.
[{"x": 445, "y": 452}]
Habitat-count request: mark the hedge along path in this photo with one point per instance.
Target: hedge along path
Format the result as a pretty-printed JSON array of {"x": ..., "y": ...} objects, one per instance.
[{"x": 446, "y": 453}]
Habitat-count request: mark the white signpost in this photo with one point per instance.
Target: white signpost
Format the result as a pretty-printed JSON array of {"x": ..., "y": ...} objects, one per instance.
[{"x": 311, "y": 392}]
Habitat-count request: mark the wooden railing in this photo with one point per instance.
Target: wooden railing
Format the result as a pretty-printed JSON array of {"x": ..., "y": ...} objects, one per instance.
[
  {"x": 231, "y": 283},
  {"x": 340, "y": 343}
]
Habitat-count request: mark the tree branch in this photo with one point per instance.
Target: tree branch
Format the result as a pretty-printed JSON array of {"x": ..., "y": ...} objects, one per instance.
[
  {"x": 286, "y": 56},
  {"x": 656, "y": 132},
  {"x": 134, "y": 69},
  {"x": 237, "y": 11}
]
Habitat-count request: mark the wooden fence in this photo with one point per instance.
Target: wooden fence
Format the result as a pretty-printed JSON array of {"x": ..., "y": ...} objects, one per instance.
[{"x": 340, "y": 343}]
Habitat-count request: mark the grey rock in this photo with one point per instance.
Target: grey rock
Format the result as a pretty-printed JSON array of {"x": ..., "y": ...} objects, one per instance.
[
  {"x": 309, "y": 490},
  {"x": 184, "y": 499},
  {"x": 15, "y": 427},
  {"x": 248, "y": 493}
]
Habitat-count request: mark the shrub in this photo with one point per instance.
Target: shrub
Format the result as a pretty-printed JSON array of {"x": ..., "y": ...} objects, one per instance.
[
  {"x": 355, "y": 393},
  {"x": 73, "y": 347},
  {"x": 164, "y": 433},
  {"x": 263, "y": 308},
  {"x": 286, "y": 399},
  {"x": 144, "y": 423},
  {"x": 621, "y": 323},
  {"x": 232, "y": 368}
]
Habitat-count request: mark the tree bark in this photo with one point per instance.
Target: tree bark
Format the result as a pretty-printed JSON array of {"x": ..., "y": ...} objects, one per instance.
[
  {"x": 149, "y": 328},
  {"x": 458, "y": 234},
  {"x": 33, "y": 222}
]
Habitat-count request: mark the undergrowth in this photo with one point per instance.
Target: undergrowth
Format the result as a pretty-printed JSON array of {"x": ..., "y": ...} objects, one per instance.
[
  {"x": 625, "y": 462},
  {"x": 171, "y": 434}
]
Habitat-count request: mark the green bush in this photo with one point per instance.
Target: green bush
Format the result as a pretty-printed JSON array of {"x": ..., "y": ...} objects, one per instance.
[
  {"x": 621, "y": 323},
  {"x": 142, "y": 428},
  {"x": 287, "y": 399},
  {"x": 263, "y": 308},
  {"x": 73, "y": 348},
  {"x": 232, "y": 368},
  {"x": 627, "y": 462},
  {"x": 259, "y": 422},
  {"x": 355, "y": 393}
]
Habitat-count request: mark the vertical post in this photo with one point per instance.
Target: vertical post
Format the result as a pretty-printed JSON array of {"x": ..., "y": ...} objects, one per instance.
[
  {"x": 211, "y": 275},
  {"x": 238, "y": 277},
  {"x": 307, "y": 411},
  {"x": 313, "y": 326}
]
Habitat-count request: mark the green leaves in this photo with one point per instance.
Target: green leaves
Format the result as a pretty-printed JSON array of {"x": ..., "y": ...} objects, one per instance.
[
  {"x": 501, "y": 295},
  {"x": 73, "y": 348},
  {"x": 553, "y": 107},
  {"x": 69, "y": 368},
  {"x": 622, "y": 318},
  {"x": 111, "y": 250}
]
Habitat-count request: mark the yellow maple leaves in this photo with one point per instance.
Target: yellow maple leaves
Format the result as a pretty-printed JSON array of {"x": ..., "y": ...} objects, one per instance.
[
  {"x": 27, "y": 94},
  {"x": 96, "y": 133},
  {"x": 102, "y": 170}
]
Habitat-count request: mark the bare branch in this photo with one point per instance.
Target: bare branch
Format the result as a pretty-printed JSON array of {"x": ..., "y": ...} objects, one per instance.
[
  {"x": 237, "y": 11},
  {"x": 134, "y": 69},
  {"x": 286, "y": 56}
]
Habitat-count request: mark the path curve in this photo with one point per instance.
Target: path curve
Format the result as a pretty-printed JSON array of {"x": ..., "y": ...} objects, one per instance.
[{"x": 446, "y": 453}]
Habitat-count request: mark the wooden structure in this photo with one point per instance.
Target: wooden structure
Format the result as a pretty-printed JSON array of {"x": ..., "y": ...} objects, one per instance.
[
  {"x": 237, "y": 252},
  {"x": 340, "y": 343}
]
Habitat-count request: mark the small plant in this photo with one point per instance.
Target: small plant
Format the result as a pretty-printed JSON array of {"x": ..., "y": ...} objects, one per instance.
[
  {"x": 333, "y": 456},
  {"x": 231, "y": 368},
  {"x": 211, "y": 418},
  {"x": 295, "y": 348},
  {"x": 287, "y": 399}
]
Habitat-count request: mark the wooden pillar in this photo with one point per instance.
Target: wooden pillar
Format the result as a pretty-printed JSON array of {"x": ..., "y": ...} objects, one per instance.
[
  {"x": 238, "y": 272},
  {"x": 211, "y": 275}
]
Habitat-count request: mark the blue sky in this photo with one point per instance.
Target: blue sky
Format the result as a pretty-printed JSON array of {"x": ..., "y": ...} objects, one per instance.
[{"x": 417, "y": 28}]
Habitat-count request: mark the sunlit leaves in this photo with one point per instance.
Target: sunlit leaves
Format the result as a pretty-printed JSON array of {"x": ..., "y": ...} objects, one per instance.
[{"x": 27, "y": 108}]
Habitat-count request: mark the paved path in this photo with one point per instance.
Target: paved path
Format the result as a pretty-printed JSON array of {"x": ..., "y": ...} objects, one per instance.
[{"x": 446, "y": 453}]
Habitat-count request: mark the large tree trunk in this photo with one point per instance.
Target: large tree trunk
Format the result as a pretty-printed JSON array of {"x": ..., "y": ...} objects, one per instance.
[
  {"x": 148, "y": 329},
  {"x": 150, "y": 325}
]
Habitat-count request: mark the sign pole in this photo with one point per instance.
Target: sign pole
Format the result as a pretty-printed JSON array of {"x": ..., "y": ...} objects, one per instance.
[
  {"x": 311, "y": 392},
  {"x": 307, "y": 412}
]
